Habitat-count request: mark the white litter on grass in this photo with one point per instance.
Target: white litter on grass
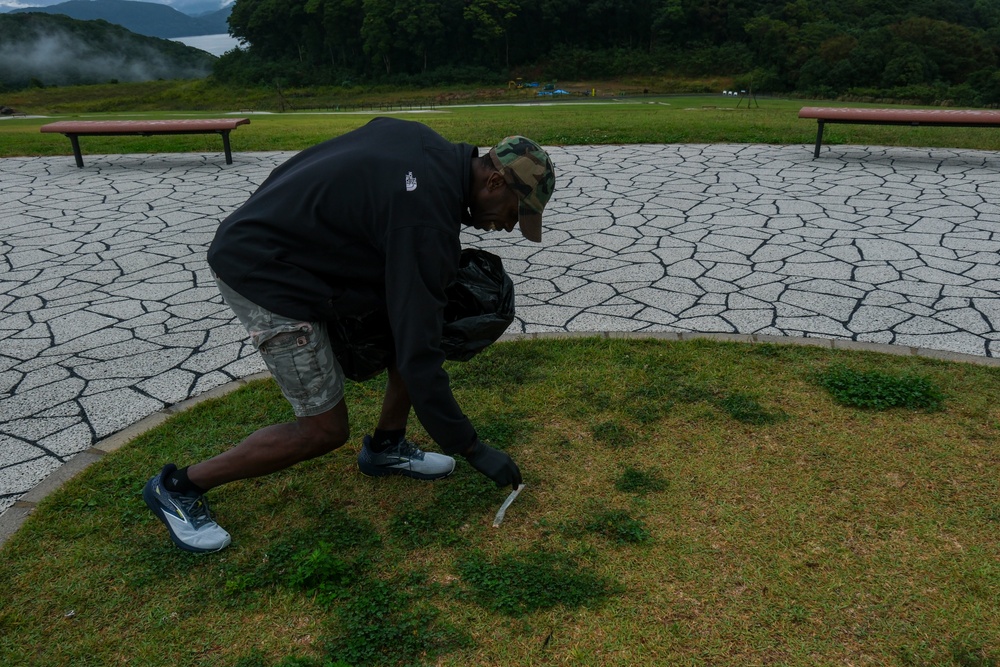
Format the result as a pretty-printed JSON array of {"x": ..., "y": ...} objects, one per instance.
[{"x": 503, "y": 508}]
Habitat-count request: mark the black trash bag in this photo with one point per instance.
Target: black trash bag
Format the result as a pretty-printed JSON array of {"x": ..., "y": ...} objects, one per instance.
[
  {"x": 480, "y": 308},
  {"x": 480, "y": 305},
  {"x": 362, "y": 344}
]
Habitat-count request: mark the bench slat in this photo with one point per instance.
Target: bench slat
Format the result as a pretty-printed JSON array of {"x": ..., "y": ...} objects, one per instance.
[
  {"x": 189, "y": 125},
  {"x": 89, "y": 128},
  {"x": 940, "y": 117}
]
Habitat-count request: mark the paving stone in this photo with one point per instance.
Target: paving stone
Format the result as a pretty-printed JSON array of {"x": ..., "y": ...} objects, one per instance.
[
  {"x": 686, "y": 268},
  {"x": 838, "y": 307},
  {"x": 21, "y": 477},
  {"x": 816, "y": 265},
  {"x": 245, "y": 366},
  {"x": 704, "y": 323},
  {"x": 172, "y": 386},
  {"x": 750, "y": 320},
  {"x": 814, "y": 325},
  {"x": 920, "y": 325},
  {"x": 928, "y": 274},
  {"x": 112, "y": 411},
  {"x": 884, "y": 250},
  {"x": 966, "y": 319},
  {"x": 587, "y": 294},
  {"x": 644, "y": 273},
  {"x": 957, "y": 342},
  {"x": 204, "y": 362},
  {"x": 210, "y": 381},
  {"x": 914, "y": 288},
  {"x": 713, "y": 285},
  {"x": 730, "y": 273},
  {"x": 69, "y": 441},
  {"x": 867, "y": 319}
]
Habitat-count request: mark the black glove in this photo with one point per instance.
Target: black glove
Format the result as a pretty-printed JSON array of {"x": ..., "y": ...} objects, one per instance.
[{"x": 493, "y": 463}]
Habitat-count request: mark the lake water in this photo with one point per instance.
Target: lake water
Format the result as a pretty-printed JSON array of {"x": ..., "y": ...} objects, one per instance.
[{"x": 214, "y": 44}]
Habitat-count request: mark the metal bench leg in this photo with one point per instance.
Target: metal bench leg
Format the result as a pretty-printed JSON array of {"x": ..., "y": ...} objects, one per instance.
[
  {"x": 819, "y": 138},
  {"x": 73, "y": 139},
  {"x": 225, "y": 143}
]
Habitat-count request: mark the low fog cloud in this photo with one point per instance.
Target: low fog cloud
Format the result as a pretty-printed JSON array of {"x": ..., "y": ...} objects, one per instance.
[
  {"x": 187, "y": 6},
  {"x": 12, "y": 5},
  {"x": 59, "y": 58}
]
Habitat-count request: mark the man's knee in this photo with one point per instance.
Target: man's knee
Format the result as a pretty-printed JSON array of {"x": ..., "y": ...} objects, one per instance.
[{"x": 322, "y": 434}]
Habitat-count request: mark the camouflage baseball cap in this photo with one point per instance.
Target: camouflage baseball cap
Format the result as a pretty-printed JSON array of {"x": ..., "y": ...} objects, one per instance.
[{"x": 528, "y": 170}]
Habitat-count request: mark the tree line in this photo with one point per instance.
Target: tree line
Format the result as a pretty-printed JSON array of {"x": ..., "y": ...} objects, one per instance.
[{"x": 942, "y": 49}]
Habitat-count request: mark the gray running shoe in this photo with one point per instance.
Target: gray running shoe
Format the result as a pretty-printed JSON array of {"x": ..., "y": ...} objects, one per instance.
[
  {"x": 186, "y": 516},
  {"x": 404, "y": 458}
]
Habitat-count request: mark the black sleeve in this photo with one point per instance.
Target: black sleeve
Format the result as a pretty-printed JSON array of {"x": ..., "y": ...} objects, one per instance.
[{"x": 420, "y": 263}]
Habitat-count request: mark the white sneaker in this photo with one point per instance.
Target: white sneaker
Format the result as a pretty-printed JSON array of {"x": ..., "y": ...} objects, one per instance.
[
  {"x": 404, "y": 458},
  {"x": 186, "y": 516}
]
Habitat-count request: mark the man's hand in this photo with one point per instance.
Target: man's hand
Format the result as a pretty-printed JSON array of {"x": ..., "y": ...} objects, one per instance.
[{"x": 493, "y": 463}]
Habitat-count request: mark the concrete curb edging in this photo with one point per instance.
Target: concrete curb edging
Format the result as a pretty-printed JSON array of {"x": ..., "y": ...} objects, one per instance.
[
  {"x": 829, "y": 343},
  {"x": 14, "y": 518}
]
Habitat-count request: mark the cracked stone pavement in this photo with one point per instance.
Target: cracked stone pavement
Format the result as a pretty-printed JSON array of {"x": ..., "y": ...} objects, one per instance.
[{"x": 108, "y": 313}]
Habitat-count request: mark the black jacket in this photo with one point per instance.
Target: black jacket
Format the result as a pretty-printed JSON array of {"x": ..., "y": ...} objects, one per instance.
[{"x": 368, "y": 220}]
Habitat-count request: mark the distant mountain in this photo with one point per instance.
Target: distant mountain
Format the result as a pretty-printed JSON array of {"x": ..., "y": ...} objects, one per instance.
[
  {"x": 189, "y": 7},
  {"x": 199, "y": 7},
  {"x": 144, "y": 18},
  {"x": 215, "y": 21},
  {"x": 50, "y": 49}
]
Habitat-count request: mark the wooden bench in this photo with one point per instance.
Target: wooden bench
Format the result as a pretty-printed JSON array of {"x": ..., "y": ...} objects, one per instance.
[
  {"x": 912, "y": 117},
  {"x": 144, "y": 128}
]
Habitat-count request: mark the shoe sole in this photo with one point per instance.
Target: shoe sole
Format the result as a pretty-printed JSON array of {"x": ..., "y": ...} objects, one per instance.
[
  {"x": 154, "y": 505},
  {"x": 375, "y": 471}
]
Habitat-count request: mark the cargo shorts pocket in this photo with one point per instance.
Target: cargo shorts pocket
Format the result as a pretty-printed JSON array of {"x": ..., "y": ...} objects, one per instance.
[{"x": 293, "y": 357}]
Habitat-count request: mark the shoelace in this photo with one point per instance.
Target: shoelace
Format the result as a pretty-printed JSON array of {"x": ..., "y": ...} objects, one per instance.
[
  {"x": 196, "y": 507},
  {"x": 409, "y": 450}
]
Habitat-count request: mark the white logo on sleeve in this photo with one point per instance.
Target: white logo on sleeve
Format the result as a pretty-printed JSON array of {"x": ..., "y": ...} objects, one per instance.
[{"x": 411, "y": 182}]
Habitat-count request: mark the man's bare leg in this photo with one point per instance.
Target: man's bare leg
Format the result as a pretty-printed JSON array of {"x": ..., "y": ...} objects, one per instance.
[
  {"x": 396, "y": 403},
  {"x": 274, "y": 448}
]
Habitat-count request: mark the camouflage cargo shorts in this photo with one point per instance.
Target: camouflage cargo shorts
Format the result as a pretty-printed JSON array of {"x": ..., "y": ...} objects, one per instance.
[{"x": 297, "y": 353}]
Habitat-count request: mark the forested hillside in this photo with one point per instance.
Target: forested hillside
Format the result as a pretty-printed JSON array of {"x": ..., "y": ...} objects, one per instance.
[
  {"x": 50, "y": 49},
  {"x": 919, "y": 49}
]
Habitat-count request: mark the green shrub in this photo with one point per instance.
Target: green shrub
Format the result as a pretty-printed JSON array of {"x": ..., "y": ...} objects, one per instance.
[
  {"x": 515, "y": 584},
  {"x": 745, "y": 408},
  {"x": 322, "y": 572},
  {"x": 383, "y": 623},
  {"x": 874, "y": 390},
  {"x": 618, "y": 526},
  {"x": 633, "y": 480},
  {"x": 613, "y": 433}
]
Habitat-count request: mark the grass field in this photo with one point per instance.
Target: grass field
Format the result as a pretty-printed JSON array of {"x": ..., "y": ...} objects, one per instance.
[
  {"x": 572, "y": 121},
  {"x": 687, "y": 503}
]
